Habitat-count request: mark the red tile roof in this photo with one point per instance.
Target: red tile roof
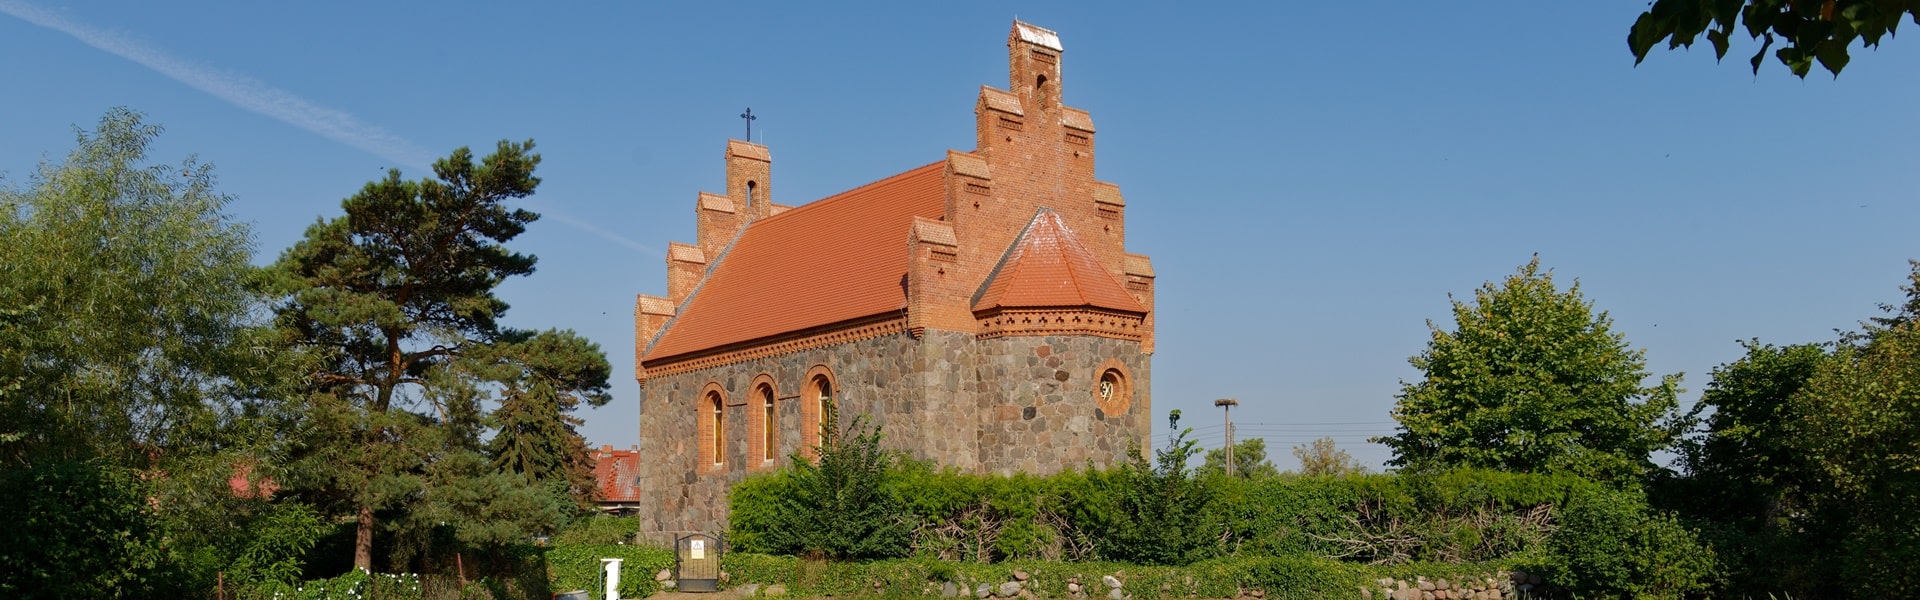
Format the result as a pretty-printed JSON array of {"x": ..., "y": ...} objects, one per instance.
[
  {"x": 614, "y": 474},
  {"x": 1049, "y": 267},
  {"x": 840, "y": 258}
]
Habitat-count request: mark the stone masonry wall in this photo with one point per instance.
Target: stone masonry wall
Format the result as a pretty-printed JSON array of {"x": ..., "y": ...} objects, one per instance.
[
  {"x": 1037, "y": 409},
  {"x": 873, "y": 375},
  {"x": 987, "y": 406}
]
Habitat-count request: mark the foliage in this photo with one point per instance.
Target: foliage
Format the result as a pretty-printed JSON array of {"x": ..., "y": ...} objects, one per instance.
[
  {"x": 79, "y": 528},
  {"x": 1813, "y": 30},
  {"x": 1381, "y": 521},
  {"x": 1249, "y": 460},
  {"x": 1860, "y": 414},
  {"x": 1612, "y": 545},
  {"x": 358, "y": 585},
  {"x": 844, "y": 506},
  {"x": 1149, "y": 513},
  {"x": 986, "y": 518},
  {"x": 549, "y": 375},
  {"x": 598, "y": 530},
  {"x": 395, "y": 302},
  {"x": 127, "y": 295},
  {"x": 574, "y": 567},
  {"x": 1802, "y": 477},
  {"x": 1745, "y": 463},
  {"x": 1532, "y": 381},
  {"x": 1322, "y": 458},
  {"x": 1279, "y": 577}
]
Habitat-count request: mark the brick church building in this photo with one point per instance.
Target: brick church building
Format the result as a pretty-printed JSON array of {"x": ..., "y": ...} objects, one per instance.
[{"x": 982, "y": 309}]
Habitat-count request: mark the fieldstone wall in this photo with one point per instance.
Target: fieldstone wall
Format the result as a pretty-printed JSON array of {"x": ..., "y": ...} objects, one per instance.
[
  {"x": 987, "y": 406},
  {"x": 1037, "y": 409}
]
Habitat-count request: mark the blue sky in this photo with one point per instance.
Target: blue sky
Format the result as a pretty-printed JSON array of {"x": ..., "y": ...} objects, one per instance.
[{"x": 1312, "y": 180}]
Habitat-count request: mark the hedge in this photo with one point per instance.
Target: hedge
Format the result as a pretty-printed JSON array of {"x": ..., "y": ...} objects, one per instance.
[
  {"x": 1465, "y": 516},
  {"x": 1597, "y": 541},
  {"x": 1281, "y": 576},
  {"x": 577, "y": 567}
]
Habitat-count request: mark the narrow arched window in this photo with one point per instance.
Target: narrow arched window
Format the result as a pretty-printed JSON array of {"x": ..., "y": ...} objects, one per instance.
[
  {"x": 719, "y": 428},
  {"x": 816, "y": 409},
  {"x": 769, "y": 426},
  {"x": 750, "y": 187},
  {"x": 823, "y": 401}
]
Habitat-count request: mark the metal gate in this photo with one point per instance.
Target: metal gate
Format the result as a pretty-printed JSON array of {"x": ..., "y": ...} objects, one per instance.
[{"x": 696, "y": 563}]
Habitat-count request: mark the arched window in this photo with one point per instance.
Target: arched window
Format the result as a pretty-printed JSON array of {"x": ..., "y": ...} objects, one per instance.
[
  {"x": 769, "y": 426},
  {"x": 719, "y": 427},
  {"x": 823, "y": 396},
  {"x": 710, "y": 447},
  {"x": 750, "y": 185},
  {"x": 816, "y": 408}
]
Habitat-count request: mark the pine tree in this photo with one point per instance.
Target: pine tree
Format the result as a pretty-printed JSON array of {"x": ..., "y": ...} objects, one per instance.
[{"x": 388, "y": 297}]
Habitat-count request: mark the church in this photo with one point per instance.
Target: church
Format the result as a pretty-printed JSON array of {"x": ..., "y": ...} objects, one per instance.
[{"x": 981, "y": 309}]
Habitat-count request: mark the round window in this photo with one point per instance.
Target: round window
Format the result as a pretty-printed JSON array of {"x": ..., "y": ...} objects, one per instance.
[{"x": 1112, "y": 392}]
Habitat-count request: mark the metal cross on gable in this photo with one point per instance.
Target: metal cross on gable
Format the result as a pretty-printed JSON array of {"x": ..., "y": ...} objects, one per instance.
[{"x": 750, "y": 118}]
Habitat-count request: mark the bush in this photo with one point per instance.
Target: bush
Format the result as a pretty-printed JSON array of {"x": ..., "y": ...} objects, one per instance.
[
  {"x": 1280, "y": 577},
  {"x": 1149, "y": 513},
  {"x": 844, "y": 506},
  {"x": 1613, "y": 545},
  {"x": 599, "y": 530},
  {"x": 358, "y": 585},
  {"x": 79, "y": 528},
  {"x": 1592, "y": 539},
  {"x": 572, "y": 567}
]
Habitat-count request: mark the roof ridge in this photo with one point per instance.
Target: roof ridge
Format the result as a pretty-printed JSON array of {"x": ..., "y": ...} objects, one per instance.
[
  {"x": 1073, "y": 273},
  {"x": 805, "y": 206},
  {"x": 1014, "y": 251}
]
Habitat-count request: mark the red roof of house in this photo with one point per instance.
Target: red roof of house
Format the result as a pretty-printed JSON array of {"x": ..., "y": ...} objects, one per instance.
[
  {"x": 615, "y": 473},
  {"x": 836, "y": 259},
  {"x": 1048, "y": 266}
]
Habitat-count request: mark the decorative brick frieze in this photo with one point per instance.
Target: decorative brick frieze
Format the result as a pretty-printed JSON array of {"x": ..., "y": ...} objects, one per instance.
[
  {"x": 1060, "y": 322},
  {"x": 798, "y": 341}
]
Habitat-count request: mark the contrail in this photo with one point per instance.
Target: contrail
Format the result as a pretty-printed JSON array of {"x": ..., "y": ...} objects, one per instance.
[
  {"x": 242, "y": 91},
  {"x": 545, "y": 209},
  {"x": 259, "y": 97}
]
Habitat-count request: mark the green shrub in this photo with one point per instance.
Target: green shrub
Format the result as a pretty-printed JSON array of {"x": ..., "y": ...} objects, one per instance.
[
  {"x": 844, "y": 505},
  {"x": 1279, "y": 577},
  {"x": 598, "y": 530},
  {"x": 80, "y": 529},
  {"x": 1148, "y": 513},
  {"x": 1612, "y": 545}
]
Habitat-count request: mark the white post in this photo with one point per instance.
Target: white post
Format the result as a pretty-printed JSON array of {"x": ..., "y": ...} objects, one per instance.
[{"x": 612, "y": 565}]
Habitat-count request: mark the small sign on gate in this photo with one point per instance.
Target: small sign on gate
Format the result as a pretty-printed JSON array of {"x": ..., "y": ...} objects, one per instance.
[{"x": 696, "y": 562}]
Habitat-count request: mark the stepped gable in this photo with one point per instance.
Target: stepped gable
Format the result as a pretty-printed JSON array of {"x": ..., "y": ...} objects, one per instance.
[
  {"x": 1047, "y": 266},
  {"x": 832, "y": 260}
]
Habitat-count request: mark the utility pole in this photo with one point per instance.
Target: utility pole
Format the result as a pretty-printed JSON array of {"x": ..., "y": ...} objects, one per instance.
[{"x": 1226, "y": 408}]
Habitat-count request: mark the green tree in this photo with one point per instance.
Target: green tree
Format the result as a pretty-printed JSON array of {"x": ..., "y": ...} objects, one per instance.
[
  {"x": 548, "y": 376},
  {"x": 1812, "y": 30},
  {"x": 1249, "y": 460},
  {"x": 1745, "y": 461},
  {"x": 1321, "y": 458},
  {"x": 1861, "y": 427},
  {"x": 1531, "y": 380},
  {"x": 396, "y": 301},
  {"x": 135, "y": 377},
  {"x": 125, "y": 302}
]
